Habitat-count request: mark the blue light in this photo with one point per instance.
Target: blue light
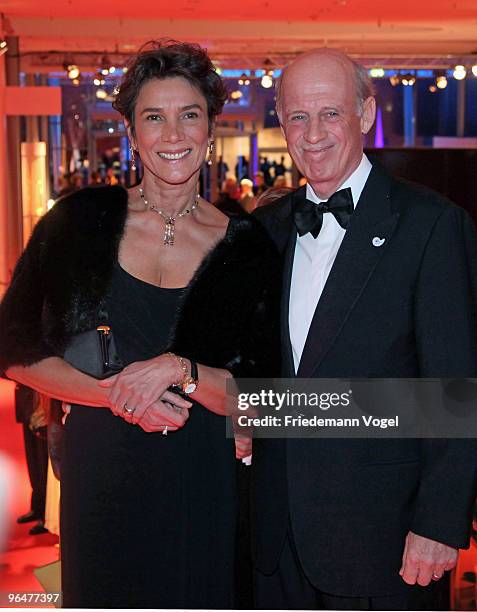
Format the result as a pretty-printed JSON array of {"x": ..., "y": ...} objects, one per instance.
[{"x": 234, "y": 74}]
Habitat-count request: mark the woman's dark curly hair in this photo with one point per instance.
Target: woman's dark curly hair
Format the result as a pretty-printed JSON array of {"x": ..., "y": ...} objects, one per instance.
[{"x": 164, "y": 59}]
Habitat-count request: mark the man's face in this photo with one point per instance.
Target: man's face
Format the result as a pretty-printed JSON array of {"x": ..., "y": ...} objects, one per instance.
[{"x": 319, "y": 117}]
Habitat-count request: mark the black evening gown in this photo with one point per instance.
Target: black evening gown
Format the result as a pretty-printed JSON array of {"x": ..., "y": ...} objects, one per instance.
[{"x": 147, "y": 520}]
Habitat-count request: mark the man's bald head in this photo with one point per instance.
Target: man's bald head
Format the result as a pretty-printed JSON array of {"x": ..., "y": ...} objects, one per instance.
[
  {"x": 306, "y": 62},
  {"x": 325, "y": 106}
]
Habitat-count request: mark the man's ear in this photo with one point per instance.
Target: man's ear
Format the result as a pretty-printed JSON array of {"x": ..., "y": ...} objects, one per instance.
[
  {"x": 368, "y": 115},
  {"x": 279, "y": 117}
]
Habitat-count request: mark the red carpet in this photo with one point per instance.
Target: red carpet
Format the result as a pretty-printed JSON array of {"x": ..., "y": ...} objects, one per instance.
[{"x": 20, "y": 553}]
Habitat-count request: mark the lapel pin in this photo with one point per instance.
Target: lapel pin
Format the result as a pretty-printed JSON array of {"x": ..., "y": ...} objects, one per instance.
[{"x": 377, "y": 242}]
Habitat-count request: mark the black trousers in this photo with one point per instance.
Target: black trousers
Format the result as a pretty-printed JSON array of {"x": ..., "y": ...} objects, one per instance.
[
  {"x": 36, "y": 451},
  {"x": 289, "y": 589}
]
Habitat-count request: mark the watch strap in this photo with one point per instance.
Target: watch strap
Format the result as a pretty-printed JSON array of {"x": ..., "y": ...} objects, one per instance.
[{"x": 194, "y": 372}]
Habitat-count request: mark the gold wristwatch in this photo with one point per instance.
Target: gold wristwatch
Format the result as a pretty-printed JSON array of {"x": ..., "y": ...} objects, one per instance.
[{"x": 189, "y": 384}]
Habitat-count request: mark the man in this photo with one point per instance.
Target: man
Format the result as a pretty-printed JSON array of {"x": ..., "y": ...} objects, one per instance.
[
  {"x": 247, "y": 199},
  {"x": 259, "y": 186},
  {"x": 228, "y": 200},
  {"x": 36, "y": 452},
  {"x": 382, "y": 285}
]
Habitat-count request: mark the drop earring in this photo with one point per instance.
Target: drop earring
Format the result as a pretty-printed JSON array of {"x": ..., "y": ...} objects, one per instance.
[
  {"x": 132, "y": 158},
  {"x": 210, "y": 153}
]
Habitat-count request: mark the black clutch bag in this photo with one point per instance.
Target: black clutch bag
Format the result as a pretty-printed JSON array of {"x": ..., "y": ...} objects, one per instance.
[{"x": 94, "y": 353}]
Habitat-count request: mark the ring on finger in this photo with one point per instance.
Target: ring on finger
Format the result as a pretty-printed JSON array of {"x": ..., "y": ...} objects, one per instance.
[
  {"x": 128, "y": 410},
  {"x": 436, "y": 576}
]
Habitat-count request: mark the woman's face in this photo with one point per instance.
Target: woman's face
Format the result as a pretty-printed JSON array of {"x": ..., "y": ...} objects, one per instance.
[{"x": 171, "y": 129}]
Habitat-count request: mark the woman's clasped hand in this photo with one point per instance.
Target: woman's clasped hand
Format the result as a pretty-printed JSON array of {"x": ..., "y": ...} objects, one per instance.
[{"x": 141, "y": 394}]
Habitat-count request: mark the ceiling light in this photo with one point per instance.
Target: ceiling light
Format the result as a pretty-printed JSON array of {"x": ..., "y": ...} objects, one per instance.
[
  {"x": 459, "y": 72},
  {"x": 236, "y": 95},
  {"x": 72, "y": 71},
  {"x": 474, "y": 70},
  {"x": 408, "y": 80},
  {"x": 432, "y": 88},
  {"x": 441, "y": 82},
  {"x": 3, "y": 46},
  {"x": 394, "y": 80},
  {"x": 376, "y": 73},
  {"x": 266, "y": 81},
  {"x": 106, "y": 65},
  {"x": 101, "y": 94},
  {"x": 99, "y": 80}
]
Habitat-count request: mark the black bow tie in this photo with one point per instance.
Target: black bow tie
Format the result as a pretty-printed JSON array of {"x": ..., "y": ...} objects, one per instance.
[{"x": 309, "y": 215}]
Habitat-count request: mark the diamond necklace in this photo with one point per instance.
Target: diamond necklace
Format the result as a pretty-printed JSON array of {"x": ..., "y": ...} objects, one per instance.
[{"x": 170, "y": 222}]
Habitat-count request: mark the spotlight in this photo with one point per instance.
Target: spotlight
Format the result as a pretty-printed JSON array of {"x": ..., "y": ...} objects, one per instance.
[
  {"x": 112, "y": 69},
  {"x": 106, "y": 65},
  {"x": 267, "y": 81},
  {"x": 236, "y": 95},
  {"x": 101, "y": 94},
  {"x": 408, "y": 80},
  {"x": 459, "y": 72},
  {"x": 99, "y": 80},
  {"x": 432, "y": 88},
  {"x": 244, "y": 80},
  {"x": 3, "y": 46},
  {"x": 376, "y": 73},
  {"x": 474, "y": 70},
  {"x": 394, "y": 80},
  {"x": 441, "y": 82},
  {"x": 75, "y": 82},
  {"x": 72, "y": 71}
]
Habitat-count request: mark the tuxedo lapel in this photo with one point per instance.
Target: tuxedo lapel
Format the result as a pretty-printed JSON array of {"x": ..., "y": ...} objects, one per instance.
[
  {"x": 288, "y": 363},
  {"x": 284, "y": 233},
  {"x": 365, "y": 242}
]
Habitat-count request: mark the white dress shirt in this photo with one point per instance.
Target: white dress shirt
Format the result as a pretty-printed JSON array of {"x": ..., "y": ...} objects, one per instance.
[{"x": 313, "y": 261}]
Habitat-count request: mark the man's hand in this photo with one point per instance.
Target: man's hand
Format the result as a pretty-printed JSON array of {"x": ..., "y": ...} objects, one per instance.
[{"x": 424, "y": 560}]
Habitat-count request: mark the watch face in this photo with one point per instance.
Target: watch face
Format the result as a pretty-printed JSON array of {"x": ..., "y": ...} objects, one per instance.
[{"x": 190, "y": 388}]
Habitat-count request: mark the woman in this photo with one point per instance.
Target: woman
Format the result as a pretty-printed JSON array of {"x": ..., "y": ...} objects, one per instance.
[{"x": 148, "y": 520}]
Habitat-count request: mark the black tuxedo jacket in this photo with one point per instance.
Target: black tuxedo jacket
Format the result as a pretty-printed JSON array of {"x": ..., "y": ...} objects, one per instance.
[{"x": 403, "y": 309}]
